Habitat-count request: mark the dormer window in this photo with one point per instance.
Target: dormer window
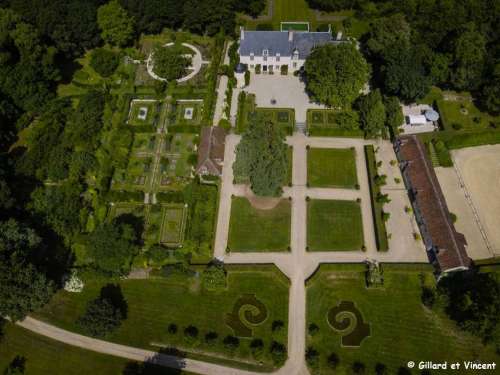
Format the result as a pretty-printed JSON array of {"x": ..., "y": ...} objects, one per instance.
[
  {"x": 278, "y": 57},
  {"x": 295, "y": 54},
  {"x": 265, "y": 53},
  {"x": 252, "y": 56}
]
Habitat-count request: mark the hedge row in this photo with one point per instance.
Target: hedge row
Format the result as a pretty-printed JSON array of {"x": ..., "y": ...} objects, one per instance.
[
  {"x": 321, "y": 131},
  {"x": 173, "y": 196},
  {"x": 184, "y": 129},
  {"x": 377, "y": 208},
  {"x": 125, "y": 196}
]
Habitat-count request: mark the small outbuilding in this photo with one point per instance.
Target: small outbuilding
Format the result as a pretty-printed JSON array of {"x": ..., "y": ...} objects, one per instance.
[
  {"x": 415, "y": 120},
  {"x": 211, "y": 151}
]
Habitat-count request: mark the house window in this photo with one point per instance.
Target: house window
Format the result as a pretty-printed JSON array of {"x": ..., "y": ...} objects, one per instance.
[
  {"x": 251, "y": 56},
  {"x": 252, "y": 66},
  {"x": 277, "y": 67},
  {"x": 265, "y": 53},
  {"x": 278, "y": 57},
  {"x": 294, "y": 64},
  {"x": 295, "y": 55}
]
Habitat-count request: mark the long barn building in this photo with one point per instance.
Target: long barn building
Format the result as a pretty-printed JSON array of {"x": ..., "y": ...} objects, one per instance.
[{"x": 446, "y": 248}]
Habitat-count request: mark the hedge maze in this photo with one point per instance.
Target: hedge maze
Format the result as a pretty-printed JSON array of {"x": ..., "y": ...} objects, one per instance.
[
  {"x": 346, "y": 319},
  {"x": 247, "y": 310}
]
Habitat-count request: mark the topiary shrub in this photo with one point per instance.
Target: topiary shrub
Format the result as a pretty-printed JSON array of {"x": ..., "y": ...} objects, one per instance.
[
  {"x": 257, "y": 348},
  {"x": 313, "y": 329},
  {"x": 104, "y": 61},
  {"x": 333, "y": 361},
  {"x": 278, "y": 353}
]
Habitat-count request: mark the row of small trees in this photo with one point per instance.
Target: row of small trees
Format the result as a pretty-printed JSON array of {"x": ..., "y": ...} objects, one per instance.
[{"x": 192, "y": 337}]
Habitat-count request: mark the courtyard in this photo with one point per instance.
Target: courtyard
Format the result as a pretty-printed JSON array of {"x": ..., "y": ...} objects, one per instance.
[{"x": 284, "y": 91}]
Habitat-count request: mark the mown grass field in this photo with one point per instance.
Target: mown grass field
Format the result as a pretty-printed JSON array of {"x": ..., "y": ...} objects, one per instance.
[
  {"x": 402, "y": 329},
  {"x": 251, "y": 229},
  {"x": 180, "y": 299},
  {"x": 331, "y": 168},
  {"x": 334, "y": 225},
  {"x": 46, "y": 356}
]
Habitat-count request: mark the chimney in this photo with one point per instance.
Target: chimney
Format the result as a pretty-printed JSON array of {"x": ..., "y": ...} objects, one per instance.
[
  {"x": 242, "y": 33},
  {"x": 290, "y": 35}
]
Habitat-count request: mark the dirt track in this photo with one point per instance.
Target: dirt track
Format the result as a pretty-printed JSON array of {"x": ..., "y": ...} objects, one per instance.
[{"x": 480, "y": 170}]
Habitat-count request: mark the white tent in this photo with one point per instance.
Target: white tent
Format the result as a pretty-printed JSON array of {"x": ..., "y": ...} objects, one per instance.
[{"x": 416, "y": 119}]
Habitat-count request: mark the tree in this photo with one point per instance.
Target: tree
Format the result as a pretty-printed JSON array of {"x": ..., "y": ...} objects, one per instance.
[
  {"x": 23, "y": 287},
  {"x": 335, "y": 74},
  {"x": 490, "y": 96},
  {"x": 333, "y": 361},
  {"x": 100, "y": 317},
  {"x": 16, "y": 367},
  {"x": 209, "y": 16},
  {"x": 394, "y": 114},
  {"x": 473, "y": 301},
  {"x": 385, "y": 32},
  {"x": 278, "y": 353},
  {"x": 469, "y": 55},
  {"x": 372, "y": 113},
  {"x": 113, "y": 246},
  {"x": 262, "y": 156},
  {"x": 312, "y": 357},
  {"x": 117, "y": 27},
  {"x": 404, "y": 74},
  {"x": 252, "y": 7},
  {"x": 170, "y": 62},
  {"x": 104, "y": 61}
]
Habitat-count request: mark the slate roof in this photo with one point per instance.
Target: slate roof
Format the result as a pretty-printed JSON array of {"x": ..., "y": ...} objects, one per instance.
[
  {"x": 277, "y": 42},
  {"x": 431, "y": 210},
  {"x": 211, "y": 150}
]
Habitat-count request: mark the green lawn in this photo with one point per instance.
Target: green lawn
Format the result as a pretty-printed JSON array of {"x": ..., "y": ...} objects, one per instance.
[
  {"x": 328, "y": 167},
  {"x": 251, "y": 229},
  {"x": 180, "y": 299},
  {"x": 402, "y": 329},
  {"x": 45, "y": 356},
  {"x": 297, "y": 26},
  {"x": 334, "y": 225}
]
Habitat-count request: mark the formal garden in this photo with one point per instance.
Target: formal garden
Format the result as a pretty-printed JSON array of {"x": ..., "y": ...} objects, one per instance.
[
  {"x": 332, "y": 168},
  {"x": 283, "y": 117},
  {"x": 254, "y": 230},
  {"x": 397, "y": 319},
  {"x": 333, "y": 123},
  {"x": 334, "y": 225},
  {"x": 242, "y": 322}
]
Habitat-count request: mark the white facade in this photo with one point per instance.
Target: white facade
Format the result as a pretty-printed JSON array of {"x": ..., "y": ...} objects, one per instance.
[{"x": 272, "y": 63}]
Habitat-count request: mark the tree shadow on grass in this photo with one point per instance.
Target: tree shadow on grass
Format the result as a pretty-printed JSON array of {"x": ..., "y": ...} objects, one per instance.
[
  {"x": 156, "y": 365},
  {"x": 113, "y": 293}
]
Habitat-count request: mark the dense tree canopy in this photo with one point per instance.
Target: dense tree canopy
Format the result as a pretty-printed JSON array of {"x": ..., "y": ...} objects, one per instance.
[
  {"x": 23, "y": 287},
  {"x": 112, "y": 247},
  {"x": 262, "y": 156},
  {"x": 372, "y": 113},
  {"x": 117, "y": 27},
  {"x": 170, "y": 62},
  {"x": 104, "y": 61},
  {"x": 335, "y": 74}
]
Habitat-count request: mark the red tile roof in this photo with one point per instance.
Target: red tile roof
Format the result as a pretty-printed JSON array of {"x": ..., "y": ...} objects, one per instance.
[
  {"x": 211, "y": 151},
  {"x": 433, "y": 216}
]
